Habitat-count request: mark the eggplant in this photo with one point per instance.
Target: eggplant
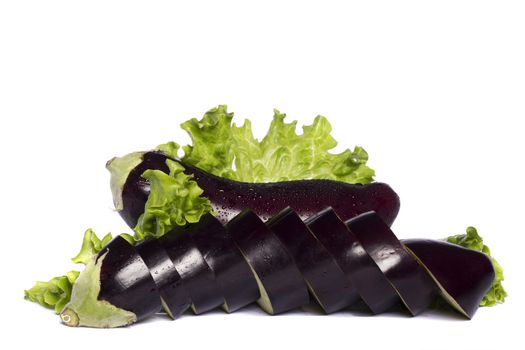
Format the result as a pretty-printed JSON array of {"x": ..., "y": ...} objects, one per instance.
[
  {"x": 411, "y": 282},
  {"x": 229, "y": 198},
  {"x": 173, "y": 295},
  {"x": 285, "y": 258},
  {"x": 463, "y": 275},
  {"x": 231, "y": 270},
  {"x": 125, "y": 280},
  {"x": 280, "y": 283},
  {"x": 197, "y": 277},
  {"x": 359, "y": 268},
  {"x": 323, "y": 276}
]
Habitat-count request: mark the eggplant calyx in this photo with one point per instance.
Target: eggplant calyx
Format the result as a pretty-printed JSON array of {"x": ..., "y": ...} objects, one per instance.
[
  {"x": 120, "y": 167},
  {"x": 84, "y": 308}
]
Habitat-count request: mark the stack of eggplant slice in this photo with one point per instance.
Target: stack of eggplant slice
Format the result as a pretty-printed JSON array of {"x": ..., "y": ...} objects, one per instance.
[{"x": 281, "y": 263}]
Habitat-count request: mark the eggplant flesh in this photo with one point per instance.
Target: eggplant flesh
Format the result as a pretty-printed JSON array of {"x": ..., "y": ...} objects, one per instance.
[
  {"x": 324, "y": 278},
  {"x": 125, "y": 280},
  {"x": 197, "y": 277},
  {"x": 229, "y": 197},
  {"x": 231, "y": 270},
  {"x": 280, "y": 283},
  {"x": 174, "y": 297},
  {"x": 463, "y": 275},
  {"x": 371, "y": 284},
  {"x": 410, "y": 280}
]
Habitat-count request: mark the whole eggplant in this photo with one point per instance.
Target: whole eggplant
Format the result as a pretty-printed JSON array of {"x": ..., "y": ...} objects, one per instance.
[{"x": 229, "y": 198}]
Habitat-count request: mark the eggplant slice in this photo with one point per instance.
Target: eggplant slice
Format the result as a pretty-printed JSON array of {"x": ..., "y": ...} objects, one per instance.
[
  {"x": 125, "y": 280},
  {"x": 280, "y": 283},
  {"x": 462, "y": 275},
  {"x": 371, "y": 284},
  {"x": 231, "y": 270},
  {"x": 324, "y": 278},
  {"x": 197, "y": 277},
  {"x": 174, "y": 297},
  {"x": 410, "y": 280}
]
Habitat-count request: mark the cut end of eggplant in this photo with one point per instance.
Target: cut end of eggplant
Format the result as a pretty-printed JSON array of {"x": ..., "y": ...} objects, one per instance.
[
  {"x": 120, "y": 167},
  {"x": 462, "y": 275},
  {"x": 264, "y": 301}
]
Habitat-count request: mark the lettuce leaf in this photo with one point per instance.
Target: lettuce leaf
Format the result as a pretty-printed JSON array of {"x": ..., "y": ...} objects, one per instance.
[
  {"x": 53, "y": 294},
  {"x": 472, "y": 240},
  {"x": 226, "y": 150},
  {"x": 91, "y": 245},
  {"x": 56, "y": 292},
  {"x": 174, "y": 199}
]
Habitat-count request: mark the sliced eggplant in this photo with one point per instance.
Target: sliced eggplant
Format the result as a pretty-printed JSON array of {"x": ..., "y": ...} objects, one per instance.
[
  {"x": 232, "y": 272},
  {"x": 371, "y": 284},
  {"x": 197, "y": 277},
  {"x": 229, "y": 198},
  {"x": 125, "y": 280},
  {"x": 463, "y": 275},
  {"x": 174, "y": 297},
  {"x": 280, "y": 283},
  {"x": 410, "y": 280},
  {"x": 323, "y": 276}
]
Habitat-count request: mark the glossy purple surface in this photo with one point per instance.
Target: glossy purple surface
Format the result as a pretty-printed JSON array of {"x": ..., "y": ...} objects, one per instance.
[
  {"x": 465, "y": 274},
  {"x": 197, "y": 277},
  {"x": 321, "y": 272},
  {"x": 231, "y": 270},
  {"x": 125, "y": 280},
  {"x": 409, "y": 278},
  {"x": 229, "y": 198},
  {"x": 168, "y": 281},
  {"x": 359, "y": 268},
  {"x": 270, "y": 260}
]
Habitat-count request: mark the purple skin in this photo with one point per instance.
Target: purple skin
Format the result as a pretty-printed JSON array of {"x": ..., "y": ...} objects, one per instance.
[
  {"x": 410, "y": 280},
  {"x": 135, "y": 278},
  {"x": 325, "y": 279},
  {"x": 463, "y": 274},
  {"x": 168, "y": 281},
  {"x": 271, "y": 262},
  {"x": 135, "y": 290},
  {"x": 197, "y": 276},
  {"x": 231, "y": 270},
  {"x": 229, "y": 197},
  {"x": 358, "y": 267}
]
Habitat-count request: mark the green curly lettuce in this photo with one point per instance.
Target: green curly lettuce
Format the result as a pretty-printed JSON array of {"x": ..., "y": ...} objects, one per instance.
[
  {"x": 231, "y": 151},
  {"x": 56, "y": 292},
  {"x": 53, "y": 294},
  {"x": 174, "y": 200},
  {"x": 224, "y": 149},
  {"x": 91, "y": 245},
  {"x": 472, "y": 240}
]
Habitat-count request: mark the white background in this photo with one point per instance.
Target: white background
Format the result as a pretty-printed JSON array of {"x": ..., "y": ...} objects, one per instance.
[{"x": 433, "y": 91}]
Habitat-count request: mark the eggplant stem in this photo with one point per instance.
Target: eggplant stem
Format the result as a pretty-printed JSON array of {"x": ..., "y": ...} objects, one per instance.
[{"x": 69, "y": 317}]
